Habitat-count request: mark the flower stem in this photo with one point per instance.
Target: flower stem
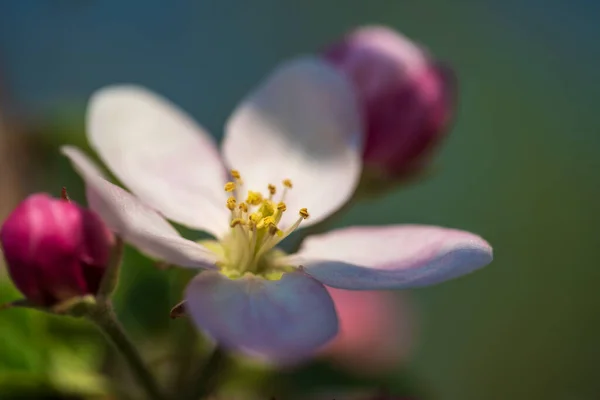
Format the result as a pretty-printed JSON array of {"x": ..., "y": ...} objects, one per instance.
[
  {"x": 206, "y": 380},
  {"x": 111, "y": 275},
  {"x": 104, "y": 318}
]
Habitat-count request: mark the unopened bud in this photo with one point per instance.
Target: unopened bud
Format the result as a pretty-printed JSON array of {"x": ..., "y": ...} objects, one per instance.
[
  {"x": 407, "y": 98},
  {"x": 55, "y": 250}
]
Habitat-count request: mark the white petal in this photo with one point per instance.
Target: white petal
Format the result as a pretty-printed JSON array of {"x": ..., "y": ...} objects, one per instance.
[
  {"x": 160, "y": 154},
  {"x": 135, "y": 222},
  {"x": 282, "y": 320},
  {"x": 392, "y": 257},
  {"x": 302, "y": 123}
]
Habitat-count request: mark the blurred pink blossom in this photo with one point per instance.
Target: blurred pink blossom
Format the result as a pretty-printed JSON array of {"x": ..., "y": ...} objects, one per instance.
[{"x": 377, "y": 330}]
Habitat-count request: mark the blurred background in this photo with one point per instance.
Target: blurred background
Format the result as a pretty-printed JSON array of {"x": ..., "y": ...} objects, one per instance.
[{"x": 521, "y": 167}]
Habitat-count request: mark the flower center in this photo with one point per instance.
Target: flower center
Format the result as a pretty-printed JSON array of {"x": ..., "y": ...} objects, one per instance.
[{"x": 250, "y": 244}]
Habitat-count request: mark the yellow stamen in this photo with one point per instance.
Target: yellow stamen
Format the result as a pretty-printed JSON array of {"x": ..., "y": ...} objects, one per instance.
[
  {"x": 231, "y": 203},
  {"x": 266, "y": 221},
  {"x": 273, "y": 230},
  {"x": 254, "y": 224},
  {"x": 304, "y": 213},
  {"x": 281, "y": 207},
  {"x": 229, "y": 186},
  {"x": 254, "y": 218},
  {"x": 235, "y": 174},
  {"x": 254, "y": 198},
  {"x": 269, "y": 221},
  {"x": 237, "y": 221}
]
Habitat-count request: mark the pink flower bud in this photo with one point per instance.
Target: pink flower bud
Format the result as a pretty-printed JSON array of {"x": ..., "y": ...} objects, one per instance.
[
  {"x": 54, "y": 249},
  {"x": 407, "y": 97}
]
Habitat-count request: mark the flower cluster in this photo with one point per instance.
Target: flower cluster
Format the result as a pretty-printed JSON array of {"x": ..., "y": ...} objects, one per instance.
[{"x": 292, "y": 155}]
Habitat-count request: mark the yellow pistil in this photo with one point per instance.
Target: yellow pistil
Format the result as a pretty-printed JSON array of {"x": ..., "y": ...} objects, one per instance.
[
  {"x": 229, "y": 187},
  {"x": 266, "y": 208},
  {"x": 255, "y": 218}
]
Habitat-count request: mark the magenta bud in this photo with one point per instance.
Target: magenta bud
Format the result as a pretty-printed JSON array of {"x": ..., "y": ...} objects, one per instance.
[
  {"x": 407, "y": 98},
  {"x": 55, "y": 250}
]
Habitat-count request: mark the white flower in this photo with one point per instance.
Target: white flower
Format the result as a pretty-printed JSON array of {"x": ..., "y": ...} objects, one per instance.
[{"x": 293, "y": 147}]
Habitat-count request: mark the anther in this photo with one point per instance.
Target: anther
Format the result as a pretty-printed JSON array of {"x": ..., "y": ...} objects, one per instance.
[
  {"x": 254, "y": 218},
  {"x": 272, "y": 189},
  {"x": 287, "y": 183},
  {"x": 229, "y": 187},
  {"x": 281, "y": 206},
  {"x": 231, "y": 203},
  {"x": 243, "y": 207},
  {"x": 237, "y": 221},
  {"x": 273, "y": 230},
  {"x": 266, "y": 222},
  {"x": 235, "y": 174},
  {"x": 269, "y": 221},
  {"x": 254, "y": 198},
  {"x": 304, "y": 213}
]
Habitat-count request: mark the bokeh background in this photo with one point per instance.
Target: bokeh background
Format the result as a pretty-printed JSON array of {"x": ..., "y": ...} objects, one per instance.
[{"x": 521, "y": 167}]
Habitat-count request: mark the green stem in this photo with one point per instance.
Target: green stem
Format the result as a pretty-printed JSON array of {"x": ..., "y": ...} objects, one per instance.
[
  {"x": 206, "y": 380},
  {"x": 111, "y": 275},
  {"x": 104, "y": 317},
  {"x": 185, "y": 337}
]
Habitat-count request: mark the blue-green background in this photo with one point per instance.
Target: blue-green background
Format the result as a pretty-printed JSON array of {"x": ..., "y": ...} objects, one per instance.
[{"x": 521, "y": 166}]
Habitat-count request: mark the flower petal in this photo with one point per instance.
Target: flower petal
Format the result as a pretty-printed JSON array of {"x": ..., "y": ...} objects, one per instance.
[
  {"x": 135, "y": 222},
  {"x": 392, "y": 257},
  {"x": 280, "y": 320},
  {"x": 302, "y": 124},
  {"x": 160, "y": 154}
]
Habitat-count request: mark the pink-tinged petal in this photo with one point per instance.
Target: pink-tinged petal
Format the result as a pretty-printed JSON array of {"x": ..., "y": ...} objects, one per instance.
[
  {"x": 301, "y": 124},
  {"x": 376, "y": 330},
  {"x": 134, "y": 221},
  {"x": 160, "y": 154},
  {"x": 282, "y": 320},
  {"x": 391, "y": 257}
]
